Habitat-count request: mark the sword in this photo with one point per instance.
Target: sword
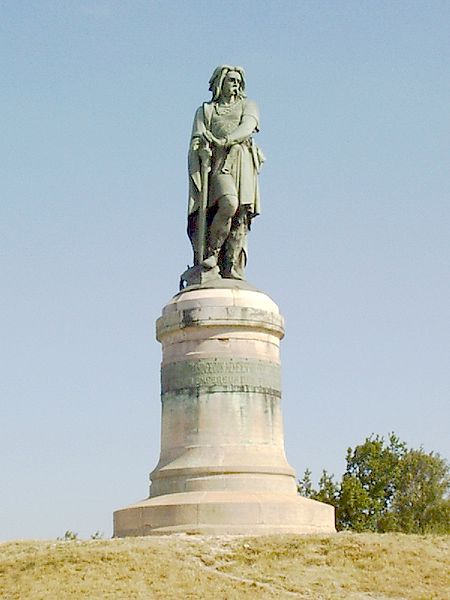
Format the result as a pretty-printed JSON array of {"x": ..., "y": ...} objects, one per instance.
[{"x": 205, "y": 159}]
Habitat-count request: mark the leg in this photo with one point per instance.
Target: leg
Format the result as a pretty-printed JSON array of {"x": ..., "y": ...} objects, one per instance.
[
  {"x": 234, "y": 255},
  {"x": 220, "y": 227}
]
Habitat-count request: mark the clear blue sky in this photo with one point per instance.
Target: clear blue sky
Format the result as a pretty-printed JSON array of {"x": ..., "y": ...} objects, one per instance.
[{"x": 97, "y": 100}]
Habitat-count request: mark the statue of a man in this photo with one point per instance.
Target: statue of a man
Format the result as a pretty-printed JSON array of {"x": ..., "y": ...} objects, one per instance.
[{"x": 222, "y": 136}]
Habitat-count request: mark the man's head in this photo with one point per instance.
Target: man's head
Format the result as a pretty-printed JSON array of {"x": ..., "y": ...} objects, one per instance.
[{"x": 227, "y": 80}]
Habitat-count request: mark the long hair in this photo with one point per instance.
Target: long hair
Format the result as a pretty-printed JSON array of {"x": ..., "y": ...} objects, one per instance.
[{"x": 219, "y": 74}]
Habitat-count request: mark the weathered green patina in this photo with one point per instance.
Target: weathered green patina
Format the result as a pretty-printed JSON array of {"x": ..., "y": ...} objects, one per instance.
[
  {"x": 224, "y": 163},
  {"x": 225, "y": 374}
]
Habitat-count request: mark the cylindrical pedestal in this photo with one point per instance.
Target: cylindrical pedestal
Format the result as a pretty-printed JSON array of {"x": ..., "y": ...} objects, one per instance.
[{"x": 222, "y": 467}]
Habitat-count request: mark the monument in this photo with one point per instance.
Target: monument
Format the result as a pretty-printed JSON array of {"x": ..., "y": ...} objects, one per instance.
[{"x": 222, "y": 468}]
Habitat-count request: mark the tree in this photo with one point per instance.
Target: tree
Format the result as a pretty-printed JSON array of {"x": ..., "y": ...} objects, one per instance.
[
  {"x": 387, "y": 487},
  {"x": 421, "y": 502},
  {"x": 371, "y": 479},
  {"x": 304, "y": 486},
  {"x": 328, "y": 490},
  {"x": 354, "y": 506}
]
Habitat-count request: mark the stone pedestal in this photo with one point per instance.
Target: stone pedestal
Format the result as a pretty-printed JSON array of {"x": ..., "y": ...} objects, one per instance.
[{"x": 222, "y": 467}]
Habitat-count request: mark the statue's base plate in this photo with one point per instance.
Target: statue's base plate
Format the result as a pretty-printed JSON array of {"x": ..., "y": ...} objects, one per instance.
[
  {"x": 219, "y": 513},
  {"x": 198, "y": 275}
]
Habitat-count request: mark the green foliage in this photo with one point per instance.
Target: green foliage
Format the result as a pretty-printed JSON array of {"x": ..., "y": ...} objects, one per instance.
[
  {"x": 421, "y": 503},
  {"x": 328, "y": 489},
  {"x": 69, "y": 536},
  {"x": 353, "y": 509},
  {"x": 304, "y": 486},
  {"x": 387, "y": 487}
]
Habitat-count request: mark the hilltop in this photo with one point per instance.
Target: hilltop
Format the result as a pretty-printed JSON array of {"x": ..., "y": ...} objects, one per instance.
[{"x": 343, "y": 566}]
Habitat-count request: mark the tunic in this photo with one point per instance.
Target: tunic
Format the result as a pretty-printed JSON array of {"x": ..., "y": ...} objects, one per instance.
[{"x": 234, "y": 170}]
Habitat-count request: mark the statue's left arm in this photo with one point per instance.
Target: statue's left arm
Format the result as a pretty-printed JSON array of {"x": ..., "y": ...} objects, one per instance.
[{"x": 247, "y": 127}]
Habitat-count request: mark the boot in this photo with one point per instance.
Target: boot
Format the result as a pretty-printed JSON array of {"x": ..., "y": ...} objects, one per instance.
[{"x": 211, "y": 261}]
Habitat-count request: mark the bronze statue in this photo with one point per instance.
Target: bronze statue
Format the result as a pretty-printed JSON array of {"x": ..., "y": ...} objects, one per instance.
[{"x": 224, "y": 163}]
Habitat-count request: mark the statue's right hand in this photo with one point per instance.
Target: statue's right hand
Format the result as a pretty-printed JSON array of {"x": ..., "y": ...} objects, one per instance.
[
  {"x": 195, "y": 144},
  {"x": 205, "y": 154},
  {"x": 208, "y": 137},
  {"x": 212, "y": 139}
]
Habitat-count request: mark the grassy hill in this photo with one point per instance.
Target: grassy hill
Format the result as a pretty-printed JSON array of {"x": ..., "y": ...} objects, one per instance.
[{"x": 350, "y": 566}]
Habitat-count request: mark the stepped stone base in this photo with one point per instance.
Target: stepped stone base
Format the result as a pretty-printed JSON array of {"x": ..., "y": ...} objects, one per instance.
[
  {"x": 219, "y": 513},
  {"x": 222, "y": 468}
]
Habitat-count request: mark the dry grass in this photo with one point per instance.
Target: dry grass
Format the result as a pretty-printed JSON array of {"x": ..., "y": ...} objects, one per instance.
[{"x": 350, "y": 566}]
